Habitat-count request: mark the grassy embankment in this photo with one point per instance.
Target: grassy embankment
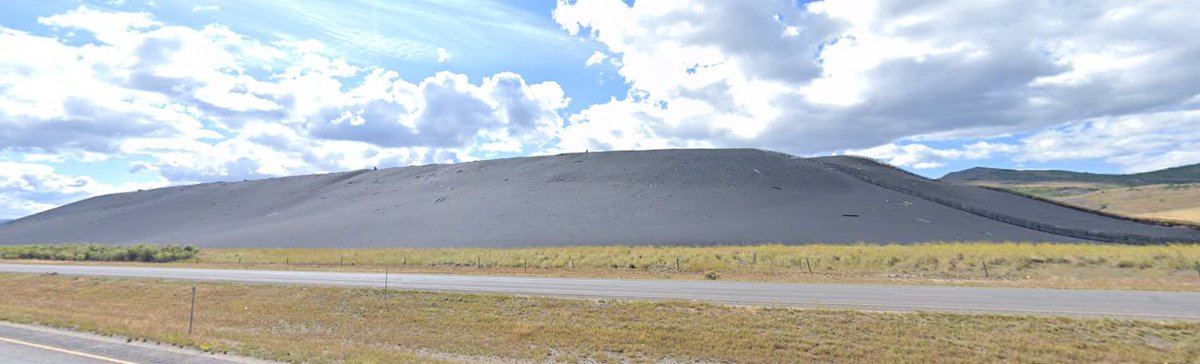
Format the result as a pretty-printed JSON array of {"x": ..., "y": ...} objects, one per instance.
[
  {"x": 1173, "y": 267},
  {"x": 320, "y": 324}
]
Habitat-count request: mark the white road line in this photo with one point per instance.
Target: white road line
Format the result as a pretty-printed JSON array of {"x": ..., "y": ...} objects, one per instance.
[{"x": 65, "y": 351}]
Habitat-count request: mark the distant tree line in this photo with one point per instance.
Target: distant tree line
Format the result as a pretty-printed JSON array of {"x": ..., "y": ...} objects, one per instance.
[{"x": 101, "y": 253}]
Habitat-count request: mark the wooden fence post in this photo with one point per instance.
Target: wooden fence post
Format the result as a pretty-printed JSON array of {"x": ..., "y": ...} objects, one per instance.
[{"x": 192, "y": 312}]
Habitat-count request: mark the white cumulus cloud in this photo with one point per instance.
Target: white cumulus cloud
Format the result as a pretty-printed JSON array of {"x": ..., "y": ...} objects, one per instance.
[
  {"x": 596, "y": 58},
  {"x": 27, "y": 188},
  {"x": 442, "y": 55},
  {"x": 211, "y": 104},
  {"x": 837, "y": 75}
]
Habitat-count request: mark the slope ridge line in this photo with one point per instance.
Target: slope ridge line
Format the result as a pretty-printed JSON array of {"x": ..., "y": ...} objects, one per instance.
[{"x": 1136, "y": 239}]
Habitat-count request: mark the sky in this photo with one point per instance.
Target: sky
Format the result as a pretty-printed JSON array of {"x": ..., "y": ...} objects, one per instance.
[{"x": 104, "y": 96}]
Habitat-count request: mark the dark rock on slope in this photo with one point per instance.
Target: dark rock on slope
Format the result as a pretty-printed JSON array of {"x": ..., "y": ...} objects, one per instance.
[{"x": 733, "y": 196}]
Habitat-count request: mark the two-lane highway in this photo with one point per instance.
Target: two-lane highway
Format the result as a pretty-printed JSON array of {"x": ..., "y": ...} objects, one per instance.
[{"x": 1127, "y": 304}]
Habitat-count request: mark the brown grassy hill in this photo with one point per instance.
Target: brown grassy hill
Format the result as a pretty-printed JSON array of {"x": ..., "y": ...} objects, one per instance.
[
  {"x": 1176, "y": 202},
  {"x": 982, "y": 175},
  {"x": 1167, "y": 202},
  {"x": 1171, "y": 194}
]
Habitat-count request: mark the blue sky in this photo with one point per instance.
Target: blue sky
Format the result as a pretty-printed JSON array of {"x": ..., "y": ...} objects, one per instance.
[{"x": 107, "y": 96}]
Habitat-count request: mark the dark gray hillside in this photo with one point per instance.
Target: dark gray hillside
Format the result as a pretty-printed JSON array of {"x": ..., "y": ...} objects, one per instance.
[{"x": 732, "y": 196}]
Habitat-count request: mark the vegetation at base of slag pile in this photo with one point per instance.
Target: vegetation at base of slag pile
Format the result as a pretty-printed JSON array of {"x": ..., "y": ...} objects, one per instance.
[
  {"x": 103, "y": 253},
  {"x": 951, "y": 258}
]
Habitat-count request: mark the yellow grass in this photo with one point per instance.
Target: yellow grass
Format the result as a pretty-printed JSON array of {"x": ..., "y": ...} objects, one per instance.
[
  {"x": 1047, "y": 189},
  {"x": 1145, "y": 201},
  {"x": 1167, "y": 202},
  {"x": 1171, "y": 267},
  {"x": 317, "y": 324},
  {"x": 1191, "y": 215},
  {"x": 946, "y": 257},
  {"x": 1095, "y": 266}
]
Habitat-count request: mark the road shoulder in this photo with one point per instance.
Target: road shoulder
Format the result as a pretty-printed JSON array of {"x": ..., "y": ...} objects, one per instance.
[{"x": 104, "y": 349}]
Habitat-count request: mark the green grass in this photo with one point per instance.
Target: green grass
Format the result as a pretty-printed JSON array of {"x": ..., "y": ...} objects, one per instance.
[
  {"x": 96, "y": 252},
  {"x": 333, "y": 325}
]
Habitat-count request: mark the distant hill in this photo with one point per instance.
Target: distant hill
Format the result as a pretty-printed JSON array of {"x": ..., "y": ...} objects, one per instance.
[
  {"x": 1171, "y": 194},
  {"x": 987, "y": 176},
  {"x": 4, "y": 220}
]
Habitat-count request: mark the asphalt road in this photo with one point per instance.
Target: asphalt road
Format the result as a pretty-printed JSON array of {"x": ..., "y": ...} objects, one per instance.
[
  {"x": 20, "y": 344},
  {"x": 1125, "y": 304}
]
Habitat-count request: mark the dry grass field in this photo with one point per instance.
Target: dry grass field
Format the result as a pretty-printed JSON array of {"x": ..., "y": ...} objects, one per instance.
[
  {"x": 1174, "y": 267},
  {"x": 318, "y": 324},
  {"x": 1172, "y": 202},
  {"x": 1050, "y": 190},
  {"x": 1107, "y": 266},
  {"x": 1188, "y": 215},
  {"x": 1142, "y": 199}
]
